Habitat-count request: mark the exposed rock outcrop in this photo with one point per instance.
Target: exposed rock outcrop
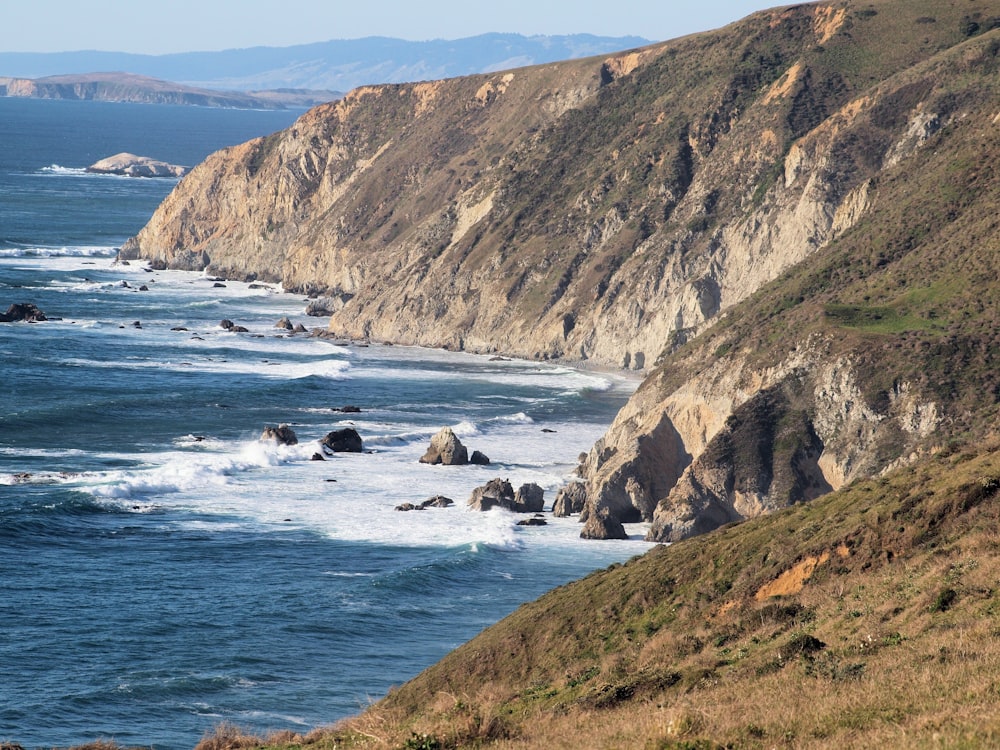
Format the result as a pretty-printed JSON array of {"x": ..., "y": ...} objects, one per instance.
[
  {"x": 130, "y": 165},
  {"x": 601, "y": 526},
  {"x": 495, "y": 493},
  {"x": 447, "y": 449},
  {"x": 22, "y": 312},
  {"x": 282, "y": 435},
  {"x": 529, "y": 498},
  {"x": 346, "y": 440},
  {"x": 570, "y": 499}
]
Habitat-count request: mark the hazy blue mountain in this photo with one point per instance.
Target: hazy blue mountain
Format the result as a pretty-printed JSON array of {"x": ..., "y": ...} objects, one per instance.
[{"x": 334, "y": 65}]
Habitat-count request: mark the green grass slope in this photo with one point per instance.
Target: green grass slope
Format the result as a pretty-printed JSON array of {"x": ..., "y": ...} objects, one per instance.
[{"x": 868, "y": 618}]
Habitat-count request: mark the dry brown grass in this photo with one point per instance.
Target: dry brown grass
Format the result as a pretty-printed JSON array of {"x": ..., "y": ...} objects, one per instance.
[{"x": 875, "y": 650}]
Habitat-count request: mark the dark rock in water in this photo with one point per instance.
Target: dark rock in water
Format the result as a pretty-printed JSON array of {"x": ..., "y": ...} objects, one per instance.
[
  {"x": 570, "y": 500},
  {"x": 178, "y": 328},
  {"x": 446, "y": 449},
  {"x": 496, "y": 492},
  {"x": 299, "y": 328},
  {"x": 533, "y": 522},
  {"x": 226, "y": 323},
  {"x": 23, "y": 312},
  {"x": 479, "y": 459},
  {"x": 407, "y": 506},
  {"x": 438, "y": 501},
  {"x": 547, "y": 430},
  {"x": 239, "y": 329},
  {"x": 284, "y": 323},
  {"x": 347, "y": 409},
  {"x": 317, "y": 457},
  {"x": 529, "y": 498},
  {"x": 283, "y": 435},
  {"x": 143, "y": 288},
  {"x": 218, "y": 285},
  {"x": 346, "y": 440},
  {"x": 603, "y": 526},
  {"x": 136, "y": 324}
]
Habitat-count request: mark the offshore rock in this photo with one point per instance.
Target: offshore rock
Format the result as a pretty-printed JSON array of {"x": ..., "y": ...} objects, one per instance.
[
  {"x": 447, "y": 449},
  {"x": 346, "y": 440},
  {"x": 529, "y": 498},
  {"x": 570, "y": 499},
  {"x": 495, "y": 493},
  {"x": 130, "y": 165},
  {"x": 24, "y": 312},
  {"x": 479, "y": 458},
  {"x": 603, "y": 526},
  {"x": 282, "y": 435}
]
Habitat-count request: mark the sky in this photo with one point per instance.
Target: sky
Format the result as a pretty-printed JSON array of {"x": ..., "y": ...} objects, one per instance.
[{"x": 162, "y": 26}]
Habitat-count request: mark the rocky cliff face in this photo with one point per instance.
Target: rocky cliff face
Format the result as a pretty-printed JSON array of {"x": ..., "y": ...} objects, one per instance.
[{"x": 616, "y": 210}]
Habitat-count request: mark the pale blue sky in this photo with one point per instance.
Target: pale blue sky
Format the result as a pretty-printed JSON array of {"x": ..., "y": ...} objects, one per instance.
[{"x": 162, "y": 26}]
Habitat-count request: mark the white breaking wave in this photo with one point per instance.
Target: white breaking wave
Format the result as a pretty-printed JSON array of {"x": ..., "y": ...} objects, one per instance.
[
  {"x": 332, "y": 369},
  {"x": 183, "y": 472},
  {"x": 58, "y": 252},
  {"x": 61, "y": 170}
]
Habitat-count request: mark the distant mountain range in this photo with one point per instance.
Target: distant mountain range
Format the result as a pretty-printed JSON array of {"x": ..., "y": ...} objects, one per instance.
[{"x": 338, "y": 65}]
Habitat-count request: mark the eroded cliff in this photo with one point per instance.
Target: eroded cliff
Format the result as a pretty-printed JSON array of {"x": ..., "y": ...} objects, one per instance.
[{"x": 653, "y": 210}]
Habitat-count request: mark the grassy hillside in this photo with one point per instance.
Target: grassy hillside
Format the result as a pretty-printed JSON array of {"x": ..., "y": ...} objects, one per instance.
[{"x": 868, "y": 618}]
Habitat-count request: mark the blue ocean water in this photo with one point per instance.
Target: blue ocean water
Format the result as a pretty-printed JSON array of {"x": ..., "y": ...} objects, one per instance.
[{"x": 162, "y": 570}]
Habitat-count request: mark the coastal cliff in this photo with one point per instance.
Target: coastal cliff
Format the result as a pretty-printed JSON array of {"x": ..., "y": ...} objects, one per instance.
[
  {"x": 784, "y": 223},
  {"x": 128, "y": 87}
]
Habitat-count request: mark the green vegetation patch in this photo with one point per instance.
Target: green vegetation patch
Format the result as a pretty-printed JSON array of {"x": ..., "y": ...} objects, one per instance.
[{"x": 874, "y": 319}]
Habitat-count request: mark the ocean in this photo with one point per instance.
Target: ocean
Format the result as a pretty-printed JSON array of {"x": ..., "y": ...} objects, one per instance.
[{"x": 162, "y": 570}]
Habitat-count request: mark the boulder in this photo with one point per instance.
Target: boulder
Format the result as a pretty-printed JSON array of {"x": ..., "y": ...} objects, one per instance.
[
  {"x": 603, "y": 526},
  {"x": 533, "y": 521},
  {"x": 496, "y": 492},
  {"x": 438, "y": 501},
  {"x": 285, "y": 324},
  {"x": 480, "y": 459},
  {"x": 446, "y": 449},
  {"x": 570, "y": 500},
  {"x": 282, "y": 435},
  {"x": 324, "y": 307},
  {"x": 23, "y": 312},
  {"x": 408, "y": 506},
  {"x": 529, "y": 498},
  {"x": 226, "y": 323},
  {"x": 130, "y": 165},
  {"x": 349, "y": 409},
  {"x": 346, "y": 440}
]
